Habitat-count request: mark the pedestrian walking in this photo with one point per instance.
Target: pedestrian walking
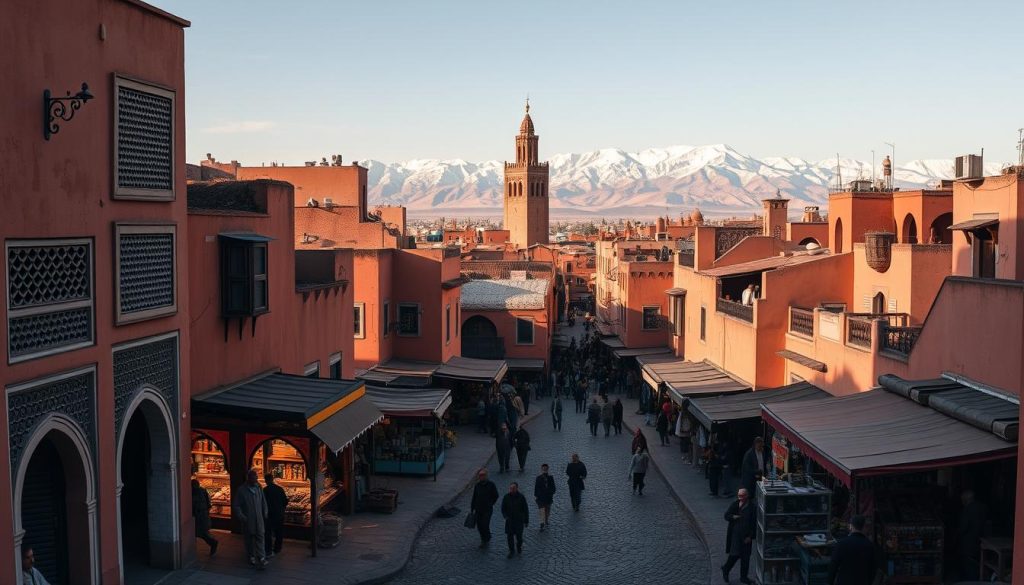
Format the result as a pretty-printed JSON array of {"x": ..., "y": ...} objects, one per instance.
[
  {"x": 738, "y": 538},
  {"x": 639, "y": 441},
  {"x": 522, "y": 442},
  {"x": 661, "y": 425},
  {"x": 502, "y": 414},
  {"x": 684, "y": 430},
  {"x": 201, "y": 511},
  {"x": 594, "y": 416},
  {"x": 577, "y": 472},
  {"x": 544, "y": 495},
  {"x": 485, "y": 495},
  {"x": 716, "y": 461},
  {"x": 580, "y": 395},
  {"x": 251, "y": 509},
  {"x": 277, "y": 501},
  {"x": 853, "y": 558},
  {"x": 638, "y": 470},
  {"x": 517, "y": 517},
  {"x": 607, "y": 412},
  {"x": 481, "y": 416},
  {"x": 503, "y": 447},
  {"x": 492, "y": 416},
  {"x": 617, "y": 416},
  {"x": 556, "y": 412}
]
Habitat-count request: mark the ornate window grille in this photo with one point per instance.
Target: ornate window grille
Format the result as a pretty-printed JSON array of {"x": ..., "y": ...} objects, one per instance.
[
  {"x": 144, "y": 141},
  {"x": 49, "y": 297},
  {"x": 146, "y": 271}
]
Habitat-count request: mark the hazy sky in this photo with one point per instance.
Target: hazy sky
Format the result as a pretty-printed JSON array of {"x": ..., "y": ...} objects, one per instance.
[{"x": 396, "y": 80}]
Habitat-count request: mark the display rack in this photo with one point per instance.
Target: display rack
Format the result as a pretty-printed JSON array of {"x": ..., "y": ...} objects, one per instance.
[
  {"x": 209, "y": 468},
  {"x": 785, "y": 511},
  {"x": 288, "y": 467},
  {"x": 913, "y": 538}
]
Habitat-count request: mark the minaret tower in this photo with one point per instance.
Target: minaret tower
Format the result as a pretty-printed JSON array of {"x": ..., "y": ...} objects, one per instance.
[{"x": 526, "y": 190}]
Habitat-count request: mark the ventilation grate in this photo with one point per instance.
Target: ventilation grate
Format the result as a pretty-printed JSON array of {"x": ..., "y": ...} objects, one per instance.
[
  {"x": 146, "y": 271},
  {"x": 144, "y": 140}
]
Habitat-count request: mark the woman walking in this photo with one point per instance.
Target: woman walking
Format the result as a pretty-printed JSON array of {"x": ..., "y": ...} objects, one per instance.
[
  {"x": 638, "y": 469},
  {"x": 662, "y": 427},
  {"x": 639, "y": 441},
  {"x": 556, "y": 412},
  {"x": 522, "y": 440}
]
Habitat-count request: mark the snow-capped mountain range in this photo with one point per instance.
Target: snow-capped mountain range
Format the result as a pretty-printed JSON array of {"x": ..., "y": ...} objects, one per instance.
[{"x": 715, "y": 178}]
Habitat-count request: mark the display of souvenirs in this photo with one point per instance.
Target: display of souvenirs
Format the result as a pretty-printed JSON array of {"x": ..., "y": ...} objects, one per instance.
[
  {"x": 208, "y": 466},
  {"x": 288, "y": 466}
]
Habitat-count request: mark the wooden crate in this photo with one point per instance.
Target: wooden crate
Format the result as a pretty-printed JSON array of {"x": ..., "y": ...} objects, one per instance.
[{"x": 381, "y": 500}]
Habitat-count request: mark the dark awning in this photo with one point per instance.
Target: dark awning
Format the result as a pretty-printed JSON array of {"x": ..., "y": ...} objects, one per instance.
[
  {"x": 406, "y": 373},
  {"x": 877, "y": 433},
  {"x": 802, "y": 360},
  {"x": 246, "y": 236},
  {"x": 639, "y": 351},
  {"x": 472, "y": 370},
  {"x": 333, "y": 410},
  {"x": 525, "y": 365},
  {"x": 613, "y": 342},
  {"x": 747, "y": 406},
  {"x": 974, "y": 224},
  {"x": 685, "y": 379},
  {"x": 420, "y": 402},
  {"x": 986, "y": 411}
]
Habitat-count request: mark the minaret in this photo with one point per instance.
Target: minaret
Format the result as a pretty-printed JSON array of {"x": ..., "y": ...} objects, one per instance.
[
  {"x": 776, "y": 211},
  {"x": 526, "y": 190}
]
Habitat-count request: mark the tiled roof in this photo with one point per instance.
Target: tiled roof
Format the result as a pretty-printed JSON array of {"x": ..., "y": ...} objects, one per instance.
[
  {"x": 501, "y": 294},
  {"x": 481, "y": 269}
]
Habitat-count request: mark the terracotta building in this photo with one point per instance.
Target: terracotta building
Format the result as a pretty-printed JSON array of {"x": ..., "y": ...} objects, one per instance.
[
  {"x": 526, "y": 190},
  {"x": 95, "y": 323},
  {"x": 277, "y": 323}
]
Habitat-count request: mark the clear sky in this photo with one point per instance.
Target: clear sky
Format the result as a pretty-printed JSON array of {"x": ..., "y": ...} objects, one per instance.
[{"x": 395, "y": 80}]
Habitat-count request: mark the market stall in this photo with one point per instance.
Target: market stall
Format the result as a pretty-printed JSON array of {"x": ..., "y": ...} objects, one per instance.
[
  {"x": 523, "y": 371},
  {"x": 400, "y": 374},
  {"x": 409, "y": 441},
  {"x": 294, "y": 428},
  {"x": 904, "y": 455},
  {"x": 470, "y": 380}
]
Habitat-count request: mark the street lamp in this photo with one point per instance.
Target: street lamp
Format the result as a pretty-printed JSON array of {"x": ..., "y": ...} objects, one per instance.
[{"x": 61, "y": 108}]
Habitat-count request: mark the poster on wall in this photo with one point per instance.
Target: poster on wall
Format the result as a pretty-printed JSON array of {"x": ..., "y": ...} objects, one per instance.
[{"x": 780, "y": 454}]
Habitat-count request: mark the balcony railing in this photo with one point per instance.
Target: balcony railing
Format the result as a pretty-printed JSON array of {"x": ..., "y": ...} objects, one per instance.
[
  {"x": 484, "y": 348},
  {"x": 891, "y": 319},
  {"x": 801, "y": 321},
  {"x": 858, "y": 331},
  {"x": 900, "y": 339},
  {"x": 733, "y": 309},
  {"x": 685, "y": 258}
]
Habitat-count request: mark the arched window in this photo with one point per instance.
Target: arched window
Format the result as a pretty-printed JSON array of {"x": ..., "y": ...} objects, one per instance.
[
  {"x": 878, "y": 304},
  {"x": 939, "y": 233},
  {"x": 837, "y": 239},
  {"x": 909, "y": 233}
]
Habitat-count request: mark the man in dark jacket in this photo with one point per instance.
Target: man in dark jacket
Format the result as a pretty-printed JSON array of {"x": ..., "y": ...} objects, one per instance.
[
  {"x": 853, "y": 558},
  {"x": 485, "y": 495},
  {"x": 577, "y": 472},
  {"x": 503, "y": 447},
  {"x": 753, "y": 461},
  {"x": 201, "y": 510},
  {"x": 517, "y": 517},
  {"x": 740, "y": 517},
  {"x": 277, "y": 501},
  {"x": 522, "y": 441},
  {"x": 544, "y": 494},
  {"x": 607, "y": 414},
  {"x": 594, "y": 416}
]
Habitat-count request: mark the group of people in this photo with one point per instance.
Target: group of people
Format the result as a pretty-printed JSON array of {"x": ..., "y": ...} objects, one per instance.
[
  {"x": 260, "y": 511},
  {"x": 607, "y": 413},
  {"x": 514, "y": 508},
  {"x": 505, "y": 406}
]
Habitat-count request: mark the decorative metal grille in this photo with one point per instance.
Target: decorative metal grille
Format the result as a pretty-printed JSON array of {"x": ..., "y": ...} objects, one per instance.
[
  {"x": 146, "y": 271},
  {"x": 42, "y": 275},
  {"x": 149, "y": 364},
  {"x": 45, "y": 331},
  {"x": 74, "y": 397},
  {"x": 144, "y": 140}
]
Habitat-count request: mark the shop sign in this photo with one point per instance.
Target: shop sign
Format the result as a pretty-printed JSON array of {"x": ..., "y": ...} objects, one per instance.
[{"x": 780, "y": 453}]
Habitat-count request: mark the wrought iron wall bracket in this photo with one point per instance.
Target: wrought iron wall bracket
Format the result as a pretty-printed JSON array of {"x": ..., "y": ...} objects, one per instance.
[{"x": 61, "y": 108}]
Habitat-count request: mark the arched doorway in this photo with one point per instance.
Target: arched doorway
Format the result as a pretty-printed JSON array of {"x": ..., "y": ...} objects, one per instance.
[
  {"x": 909, "y": 233},
  {"x": 808, "y": 240},
  {"x": 148, "y": 500},
  {"x": 55, "y": 505},
  {"x": 878, "y": 304},
  {"x": 837, "y": 240},
  {"x": 939, "y": 233},
  {"x": 480, "y": 339}
]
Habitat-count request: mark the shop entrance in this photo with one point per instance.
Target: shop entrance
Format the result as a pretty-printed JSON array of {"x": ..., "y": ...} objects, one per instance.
[{"x": 148, "y": 501}]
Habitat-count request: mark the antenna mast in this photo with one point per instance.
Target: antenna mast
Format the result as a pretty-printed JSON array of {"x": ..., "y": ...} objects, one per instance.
[{"x": 1020, "y": 147}]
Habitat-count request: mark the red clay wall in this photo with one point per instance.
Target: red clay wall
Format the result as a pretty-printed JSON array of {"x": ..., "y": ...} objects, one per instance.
[{"x": 62, "y": 188}]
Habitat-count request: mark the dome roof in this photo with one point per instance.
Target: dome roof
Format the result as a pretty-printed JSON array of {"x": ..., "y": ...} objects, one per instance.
[
  {"x": 527, "y": 125},
  {"x": 696, "y": 216}
]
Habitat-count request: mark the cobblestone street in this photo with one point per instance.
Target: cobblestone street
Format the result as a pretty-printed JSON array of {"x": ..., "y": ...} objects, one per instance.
[{"x": 616, "y": 537}]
